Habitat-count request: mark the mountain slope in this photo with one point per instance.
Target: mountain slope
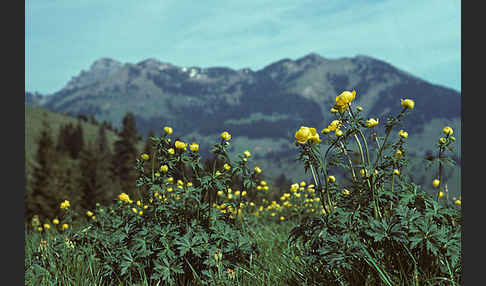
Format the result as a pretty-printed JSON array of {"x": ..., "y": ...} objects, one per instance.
[{"x": 263, "y": 108}]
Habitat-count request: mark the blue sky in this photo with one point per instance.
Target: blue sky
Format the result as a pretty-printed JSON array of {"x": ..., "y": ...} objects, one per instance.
[{"x": 64, "y": 37}]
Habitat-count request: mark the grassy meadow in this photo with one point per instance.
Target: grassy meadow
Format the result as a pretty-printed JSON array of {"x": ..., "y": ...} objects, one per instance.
[{"x": 190, "y": 223}]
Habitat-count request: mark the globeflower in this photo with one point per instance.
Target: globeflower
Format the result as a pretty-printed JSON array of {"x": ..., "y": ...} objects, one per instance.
[
  {"x": 447, "y": 130},
  {"x": 194, "y": 147},
  {"x": 55, "y": 221},
  {"x": 335, "y": 124},
  {"x": 65, "y": 204},
  {"x": 225, "y": 135},
  {"x": 47, "y": 226},
  {"x": 247, "y": 153},
  {"x": 396, "y": 172},
  {"x": 64, "y": 226},
  {"x": 124, "y": 198},
  {"x": 408, "y": 103},
  {"x": 372, "y": 122},
  {"x": 344, "y": 99},
  {"x": 180, "y": 145},
  {"x": 145, "y": 156},
  {"x": 168, "y": 130},
  {"x": 303, "y": 134},
  {"x": 435, "y": 183},
  {"x": 258, "y": 170},
  {"x": 164, "y": 168},
  {"x": 403, "y": 134},
  {"x": 227, "y": 167},
  {"x": 339, "y": 132},
  {"x": 171, "y": 151},
  {"x": 331, "y": 179}
]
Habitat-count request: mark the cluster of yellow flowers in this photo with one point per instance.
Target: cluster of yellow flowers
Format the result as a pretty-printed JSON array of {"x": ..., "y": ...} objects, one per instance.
[
  {"x": 343, "y": 101},
  {"x": 65, "y": 204},
  {"x": 47, "y": 226}
]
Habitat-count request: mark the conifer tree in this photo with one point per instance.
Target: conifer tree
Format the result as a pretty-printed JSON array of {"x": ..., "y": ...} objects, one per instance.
[
  {"x": 125, "y": 154},
  {"x": 43, "y": 200}
]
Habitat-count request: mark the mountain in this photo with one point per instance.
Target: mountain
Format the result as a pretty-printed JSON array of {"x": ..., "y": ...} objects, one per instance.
[{"x": 262, "y": 109}]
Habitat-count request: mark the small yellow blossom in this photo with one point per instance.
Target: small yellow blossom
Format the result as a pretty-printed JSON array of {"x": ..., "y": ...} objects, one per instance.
[
  {"x": 65, "y": 204},
  {"x": 64, "y": 226},
  {"x": 398, "y": 154},
  {"x": 339, "y": 132},
  {"x": 89, "y": 213},
  {"x": 171, "y": 151},
  {"x": 220, "y": 193},
  {"x": 55, "y": 221},
  {"x": 396, "y": 172},
  {"x": 194, "y": 147},
  {"x": 47, "y": 226},
  {"x": 372, "y": 122},
  {"x": 331, "y": 179},
  {"x": 408, "y": 103},
  {"x": 258, "y": 170},
  {"x": 263, "y": 183},
  {"x": 180, "y": 145},
  {"x": 403, "y": 134},
  {"x": 458, "y": 202},
  {"x": 335, "y": 124},
  {"x": 359, "y": 108},
  {"x": 225, "y": 135},
  {"x": 168, "y": 130},
  {"x": 227, "y": 167},
  {"x": 448, "y": 130},
  {"x": 145, "y": 156},
  {"x": 247, "y": 153},
  {"x": 325, "y": 131},
  {"x": 124, "y": 198},
  {"x": 333, "y": 110},
  {"x": 442, "y": 140},
  {"x": 435, "y": 183},
  {"x": 164, "y": 168},
  {"x": 441, "y": 194},
  {"x": 345, "y": 192},
  {"x": 243, "y": 193}
]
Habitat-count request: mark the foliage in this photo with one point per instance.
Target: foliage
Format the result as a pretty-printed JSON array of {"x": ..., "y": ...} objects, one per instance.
[{"x": 379, "y": 227}]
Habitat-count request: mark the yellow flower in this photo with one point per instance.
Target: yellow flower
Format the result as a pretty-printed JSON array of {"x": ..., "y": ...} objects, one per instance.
[
  {"x": 140, "y": 212},
  {"x": 396, "y": 172},
  {"x": 359, "y": 108},
  {"x": 258, "y": 170},
  {"x": 441, "y": 194},
  {"x": 180, "y": 145},
  {"x": 168, "y": 130},
  {"x": 139, "y": 203},
  {"x": 164, "y": 168},
  {"x": 171, "y": 151},
  {"x": 89, "y": 213},
  {"x": 39, "y": 228},
  {"x": 458, "y": 202},
  {"x": 124, "y": 198},
  {"x": 345, "y": 98},
  {"x": 230, "y": 196},
  {"x": 335, "y": 124},
  {"x": 189, "y": 184},
  {"x": 435, "y": 183},
  {"x": 157, "y": 174},
  {"x": 303, "y": 134},
  {"x": 263, "y": 183},
  {"x": 442, "y": 140},
  {"x": 448, "y": 130},
  {"x": 403, "y": 134},
  {"x": 333, "y": 110},
  {"x": 453, "y": 138},
  {"x": 194, "y": 147},
  {"x": 408, "y": 103},
  {"x": 398, "y": 154},
  {"x": 314, "y": 136},
  {"x": 225, "y": 135},
  {"x": 302, "y": 184},
  {"x": 243, "y": 193},
  {"x": 55, "y": 221},
  {"x": 145, "y": 156},
  {"x": 226, "y": 167},
  {"x": 134, "y": 210},
  {"x": 247, "y": 153},
  {"x": 282, "y": 218},
  {"x": 339, "y": 132},
  {"x": 372, "y": 122},
  {"x": 65, "y": 204},
  {"x": 325, "y": 130},
  {"x": 331, "y": 179},
  {"x": 265, "y": 188},
  {"x": 237, "y": 193},
  {"x": 47, "y": 226},
  {"x": 64, "y": 226},
  {"x": 345, "y": 192},
  {"x": 220, "y": 193}
]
